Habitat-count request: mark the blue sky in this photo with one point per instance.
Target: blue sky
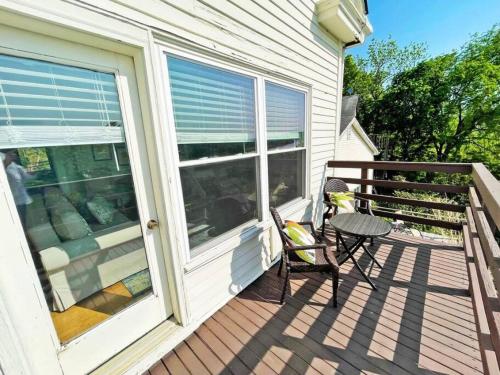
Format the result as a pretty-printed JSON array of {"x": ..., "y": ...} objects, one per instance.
[{"x": 443, "y": 25}]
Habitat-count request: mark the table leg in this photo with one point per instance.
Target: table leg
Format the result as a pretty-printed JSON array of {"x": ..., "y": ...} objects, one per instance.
[
  {"x": 371, "y": 255},
  {"x": 350, "y": 255}
]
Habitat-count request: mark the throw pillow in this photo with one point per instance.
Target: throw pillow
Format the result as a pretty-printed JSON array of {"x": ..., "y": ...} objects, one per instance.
[
  {"x": 300, "y": 236},
  {"x": 101, "y": 209},
  {"x": 53, "y": 196},
  {"x": 344, "y": 201},
  {"x": 70, "y": 225}
]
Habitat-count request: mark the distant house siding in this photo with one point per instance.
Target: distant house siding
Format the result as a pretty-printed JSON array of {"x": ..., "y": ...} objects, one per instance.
[
  {"x": 352, "y": 147},
  {"x": 283, "y": 38}
]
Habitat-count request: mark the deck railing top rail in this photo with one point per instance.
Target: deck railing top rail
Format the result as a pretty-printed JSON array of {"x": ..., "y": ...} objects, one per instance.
[
  {"x": 465, "y": 168},
  {"x": 489, "y": 190}
]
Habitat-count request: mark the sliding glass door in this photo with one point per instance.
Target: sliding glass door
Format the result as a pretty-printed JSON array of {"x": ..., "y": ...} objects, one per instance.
[{"x": 72, "y": 151}]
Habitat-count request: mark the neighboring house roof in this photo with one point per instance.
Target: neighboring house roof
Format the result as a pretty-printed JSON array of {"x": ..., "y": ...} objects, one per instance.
[{"x": 348, "y": 119}]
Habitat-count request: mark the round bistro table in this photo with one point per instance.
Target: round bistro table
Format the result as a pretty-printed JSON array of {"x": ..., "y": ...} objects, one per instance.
[{"x": 361, "y": 227}]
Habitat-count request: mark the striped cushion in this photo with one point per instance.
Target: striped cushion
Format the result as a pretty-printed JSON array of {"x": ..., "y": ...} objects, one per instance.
[{"x": 301, "y": 237}]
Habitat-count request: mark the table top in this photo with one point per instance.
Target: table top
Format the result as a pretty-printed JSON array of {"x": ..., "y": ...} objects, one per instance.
[{"x": 360, "y": 225}]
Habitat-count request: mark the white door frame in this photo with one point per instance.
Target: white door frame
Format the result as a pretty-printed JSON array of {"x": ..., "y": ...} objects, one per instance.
[{"x": 40, "y": 357}]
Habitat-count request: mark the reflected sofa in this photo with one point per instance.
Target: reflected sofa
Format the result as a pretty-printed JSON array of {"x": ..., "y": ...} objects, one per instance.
[{"x": 81, "y": 258}]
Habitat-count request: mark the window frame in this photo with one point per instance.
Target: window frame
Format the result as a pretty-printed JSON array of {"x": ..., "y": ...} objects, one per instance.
[{"x": 199, "y": 255}]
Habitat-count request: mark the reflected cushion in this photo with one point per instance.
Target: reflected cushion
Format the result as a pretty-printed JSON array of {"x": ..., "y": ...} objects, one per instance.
[
  {"x": 70, "y": 225},
  {"x": 301, "y": 237},
  {"x": 53, "y": 197},
  {"x": 43, "y": 236},
  {"x": 102, "y": 210}
]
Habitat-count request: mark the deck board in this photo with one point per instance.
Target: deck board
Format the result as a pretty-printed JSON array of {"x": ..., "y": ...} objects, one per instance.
[{"x": 419, "y": 321}]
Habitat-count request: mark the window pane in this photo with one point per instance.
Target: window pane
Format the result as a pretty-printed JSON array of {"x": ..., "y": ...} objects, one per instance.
[
  {"x": 46, "y": 104},
  {"x": 285, "y": 117},
  {"x": 214, "y": 110},
  {"x": 218, "y": 197},
  {"x": 286, "y": 178},
  {"x": 64, "y": 153}
]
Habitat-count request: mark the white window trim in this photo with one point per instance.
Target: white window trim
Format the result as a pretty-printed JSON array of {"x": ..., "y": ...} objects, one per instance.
[
  {"x": 213, "y": 249},
  {"x": 218, "y": 159},
  {"x": 285, "y": 150}
]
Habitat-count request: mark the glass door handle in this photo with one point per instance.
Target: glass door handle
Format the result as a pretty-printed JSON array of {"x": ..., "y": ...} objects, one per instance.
[{"x": 152, "y": 224}]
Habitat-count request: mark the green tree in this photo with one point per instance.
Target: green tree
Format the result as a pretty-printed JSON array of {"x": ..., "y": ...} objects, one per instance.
[
  {"x": 369, "y": 77},
  {"x": 444, "y": 108},
  {"x": 417, "y": 110}
]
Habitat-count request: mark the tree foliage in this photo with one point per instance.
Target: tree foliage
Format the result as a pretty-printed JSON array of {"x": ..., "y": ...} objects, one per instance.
[{"x": 444, "y": 108}]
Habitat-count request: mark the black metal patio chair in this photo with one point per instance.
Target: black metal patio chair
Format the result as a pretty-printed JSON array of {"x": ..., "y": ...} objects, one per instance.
[
  {"x": 325, "y": 260},
  {"x": 335, "y": 185}
]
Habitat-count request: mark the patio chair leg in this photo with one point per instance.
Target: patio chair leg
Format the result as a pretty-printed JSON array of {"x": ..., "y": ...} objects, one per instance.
[
  {"x": 371, "y": 241},
  {"x": 335, "y": 282},
  {"x": 285, "y": 284},
  {"x": 280, "y": 266}
]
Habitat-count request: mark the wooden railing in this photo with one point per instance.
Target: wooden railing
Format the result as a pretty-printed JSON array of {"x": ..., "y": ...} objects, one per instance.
[
  {"x": 449, "y": 168},
  {"x": 482, "y": 253},
  {"x": 483, "y": 262}
]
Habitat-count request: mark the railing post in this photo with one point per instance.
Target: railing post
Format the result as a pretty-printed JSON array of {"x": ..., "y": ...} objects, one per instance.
[
  {"x": 364, "y": 176},
  {"x": 364, "y": 188}
]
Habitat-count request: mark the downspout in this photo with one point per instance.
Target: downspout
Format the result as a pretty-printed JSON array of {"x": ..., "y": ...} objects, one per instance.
[{"x": 340, "y": 86}]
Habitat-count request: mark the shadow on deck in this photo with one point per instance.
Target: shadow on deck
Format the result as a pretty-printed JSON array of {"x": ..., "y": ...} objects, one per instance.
[{"x": 420, "y": 320}]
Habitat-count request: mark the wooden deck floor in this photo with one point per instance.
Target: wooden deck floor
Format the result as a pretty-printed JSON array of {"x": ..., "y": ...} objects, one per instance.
[{"x": 419, "y": 321}]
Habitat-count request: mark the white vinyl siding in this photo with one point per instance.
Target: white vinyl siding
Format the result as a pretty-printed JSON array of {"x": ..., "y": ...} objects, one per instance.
[
  {"x": 351, "y": 146},
  {"x": 280, "y": 40}
]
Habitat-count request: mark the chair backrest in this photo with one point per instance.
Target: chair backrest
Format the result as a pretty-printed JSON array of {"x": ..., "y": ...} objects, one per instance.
[
  {"x": 334, "y": 186},
  {"x": 279, "y": 224}
]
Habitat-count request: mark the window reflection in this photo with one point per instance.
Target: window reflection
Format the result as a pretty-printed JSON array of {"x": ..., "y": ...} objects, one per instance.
[
  {"x": 63, "y": 149},
  {"x": 285, "y": 177},
  {"x": 78, "y": 209},
  {"x": 218, "y": 197}
]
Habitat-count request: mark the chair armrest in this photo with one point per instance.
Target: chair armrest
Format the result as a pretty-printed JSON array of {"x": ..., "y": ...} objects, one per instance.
[
  {"x": 307, "y": 247},
  {"x": 329, "y": 203}
]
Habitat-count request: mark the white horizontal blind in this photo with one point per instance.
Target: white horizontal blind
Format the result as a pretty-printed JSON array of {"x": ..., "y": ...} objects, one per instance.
[
  {"x": 211, "y": 105},
  {"x": 285, "y": 113},
  {"x": 48, "y": 104}
]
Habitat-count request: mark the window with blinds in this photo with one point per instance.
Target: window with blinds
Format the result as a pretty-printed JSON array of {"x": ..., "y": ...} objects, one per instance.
[
  {"x": 285, "y": 122},
  {"x": 48, "y": 104},
  {"x": 285, "y": 116},
  {"x": 214, "y": 110}
]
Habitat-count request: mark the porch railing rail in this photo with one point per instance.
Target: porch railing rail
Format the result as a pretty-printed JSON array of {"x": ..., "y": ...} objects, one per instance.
[{"x": 482, "y": 221}]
